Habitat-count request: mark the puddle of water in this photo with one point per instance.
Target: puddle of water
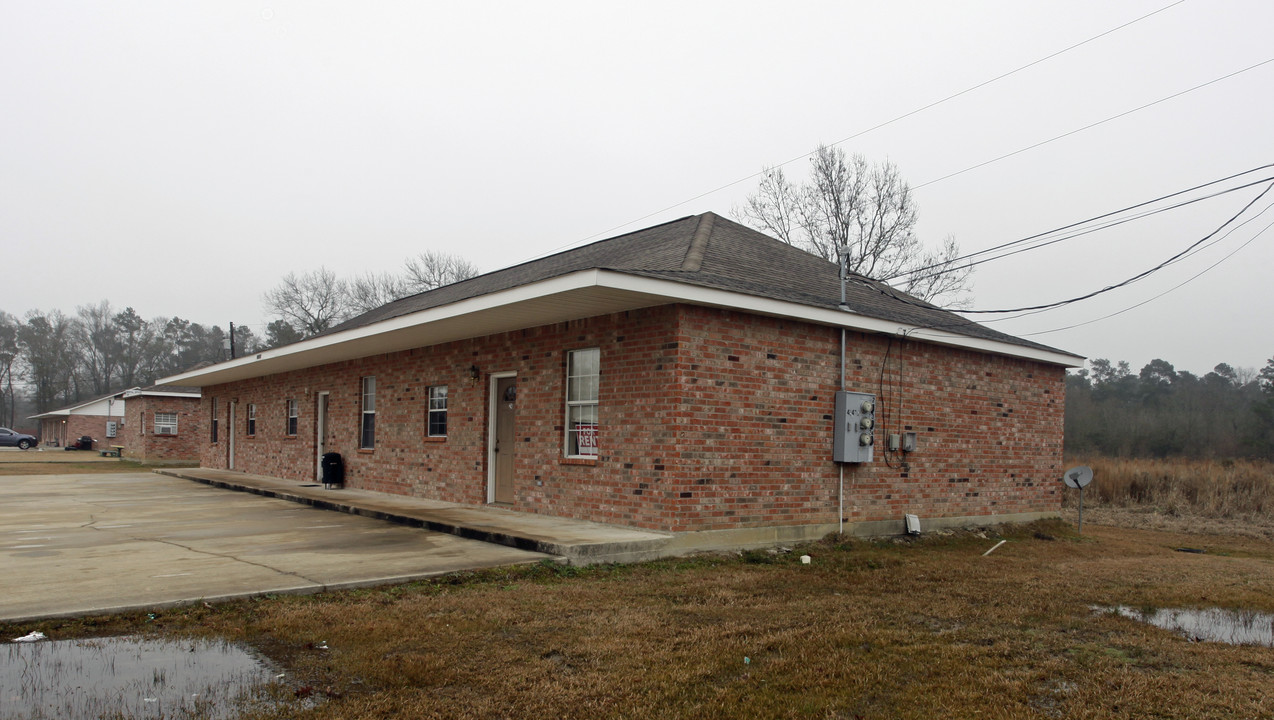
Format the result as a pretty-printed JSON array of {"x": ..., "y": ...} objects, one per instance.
[
  {"x": 1235, "y": 627},
  {"x": 129, "y": 677}
]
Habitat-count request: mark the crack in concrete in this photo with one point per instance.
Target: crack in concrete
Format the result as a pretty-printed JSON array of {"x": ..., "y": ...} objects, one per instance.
[
  {"x": 232, "y": 557},
  {"x": 224, "y": 556}
]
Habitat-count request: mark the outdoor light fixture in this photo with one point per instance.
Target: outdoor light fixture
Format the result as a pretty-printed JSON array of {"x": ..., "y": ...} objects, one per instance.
[{"x": 474, "y": 372}]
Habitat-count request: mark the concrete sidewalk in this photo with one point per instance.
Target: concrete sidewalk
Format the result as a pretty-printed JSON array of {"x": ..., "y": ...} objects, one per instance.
[
  {"x": 577, "y": 542},
  {"x": 90, "y": 543}
]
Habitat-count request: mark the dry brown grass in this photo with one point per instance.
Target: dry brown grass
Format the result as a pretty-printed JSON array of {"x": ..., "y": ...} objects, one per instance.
[
  {"x": 888, "y": 629},
  {"x": 1214, "y": 496}
]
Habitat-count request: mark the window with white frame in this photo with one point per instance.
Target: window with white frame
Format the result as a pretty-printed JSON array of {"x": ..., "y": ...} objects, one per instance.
[
  {"x": 367, "y": 439},
  {"x": 252, "y": 419},
  {"x": 292, "y": 416},
  {"x": 437, "y": 416},
  {"x": 583, "y": 370},
  {"x": 214, "y": 420},
  {"x": 165, "y": 423}
]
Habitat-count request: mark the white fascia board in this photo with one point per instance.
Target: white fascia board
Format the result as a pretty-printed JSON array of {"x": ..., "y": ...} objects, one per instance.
[
  {"x": 344, "y": 345},
  {"x": 148, "y": 393},
  {"x": 97, "y": 406},
  {"x": 698, "y": 295},
  {"x": 621, "y": 291}
]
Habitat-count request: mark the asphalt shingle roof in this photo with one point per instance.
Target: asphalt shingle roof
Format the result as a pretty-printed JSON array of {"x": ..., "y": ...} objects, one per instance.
[{"x": 709, "y": 251}]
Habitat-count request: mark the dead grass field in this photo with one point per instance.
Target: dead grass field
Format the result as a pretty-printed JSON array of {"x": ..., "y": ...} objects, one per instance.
[
  {"x": 893, "y": 628},
  {"x": 1234, "y": 497},
  {"x": 880, "y": 629}
]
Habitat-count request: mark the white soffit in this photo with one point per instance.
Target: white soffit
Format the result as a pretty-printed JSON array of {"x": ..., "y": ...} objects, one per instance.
[{"x": 569, "y": 297}]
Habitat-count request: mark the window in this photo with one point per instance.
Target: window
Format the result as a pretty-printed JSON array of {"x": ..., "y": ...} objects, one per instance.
[
  {"x": 165, "y": 423},
  {"x": 252, "y": 419},
  {"x": 582, "y": 371},
  {"x": 214, "y": 420},
  {"x": 437, "y": 416},
  {"x": 368, "y": 437},
  {"x": 292, "y": 414}
]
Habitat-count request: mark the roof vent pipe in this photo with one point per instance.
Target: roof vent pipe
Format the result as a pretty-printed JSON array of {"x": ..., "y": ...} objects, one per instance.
[{"x": 842, "y": 263}]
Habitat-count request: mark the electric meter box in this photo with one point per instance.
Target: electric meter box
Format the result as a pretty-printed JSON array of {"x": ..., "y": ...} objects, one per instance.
[{"x": 855, "y": 433}]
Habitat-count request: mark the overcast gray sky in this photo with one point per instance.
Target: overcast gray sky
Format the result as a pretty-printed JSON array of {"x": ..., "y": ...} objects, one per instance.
[{"x": 180, "y": 158}]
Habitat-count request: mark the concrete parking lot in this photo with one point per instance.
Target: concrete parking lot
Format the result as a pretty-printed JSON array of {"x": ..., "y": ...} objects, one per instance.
[{"x": 80, "y": 544}]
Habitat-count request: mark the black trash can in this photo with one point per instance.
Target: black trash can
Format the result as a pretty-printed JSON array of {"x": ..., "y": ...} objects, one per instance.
[{"x": 333, "y": 469}]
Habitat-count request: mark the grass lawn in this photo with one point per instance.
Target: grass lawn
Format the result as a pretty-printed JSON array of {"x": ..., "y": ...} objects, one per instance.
[{"x": 869, "y": 629}]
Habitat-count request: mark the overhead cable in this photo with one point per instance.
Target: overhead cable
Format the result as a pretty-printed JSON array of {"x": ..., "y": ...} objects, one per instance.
[
  {"x": 1093, "y": 125},
  {"x": 873, "y": 128},
  {"x": 884, "y": 288},
  {"x": 1040, "y": 240},
  {"x": 1165, "y": 292}
]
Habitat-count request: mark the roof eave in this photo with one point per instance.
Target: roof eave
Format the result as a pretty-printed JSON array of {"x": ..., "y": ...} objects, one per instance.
[{"x": 575, "y": 295}]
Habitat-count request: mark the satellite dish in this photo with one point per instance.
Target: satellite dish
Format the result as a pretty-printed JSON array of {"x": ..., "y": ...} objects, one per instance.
[{"x": 1078, "y": 477}]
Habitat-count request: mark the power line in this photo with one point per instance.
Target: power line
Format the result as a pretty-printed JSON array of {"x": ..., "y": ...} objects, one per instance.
[
  {"x": 1134, "y": 278},
  {"x": 1192, "y": 278},
  {"x": 947, "y": 266},
  {"x": 1093, "y": 125},
  {"x": 873, "y": 128},
  {"x": 1189, "y": 254}
]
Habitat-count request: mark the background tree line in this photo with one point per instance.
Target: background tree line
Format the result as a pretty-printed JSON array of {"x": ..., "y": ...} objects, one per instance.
[
  {"x": 849, "y": 210},
  {"x": 51, "y": 359},
  {"x": 1163, "y": 412}
]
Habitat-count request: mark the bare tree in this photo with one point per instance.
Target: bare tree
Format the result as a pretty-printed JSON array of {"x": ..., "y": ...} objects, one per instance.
[
  {"x": 370, "y": 290},
  {"x": 865, "y": 213},
  {"x": 433, "y": 269},
  {"x": 312, "y": 302},
  {"x": 99, "y": 345},
  {"x": 8, "y": 362}
]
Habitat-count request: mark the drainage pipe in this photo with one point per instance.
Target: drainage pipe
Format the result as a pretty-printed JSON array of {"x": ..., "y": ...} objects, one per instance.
[{"x": 840, "y": 513}]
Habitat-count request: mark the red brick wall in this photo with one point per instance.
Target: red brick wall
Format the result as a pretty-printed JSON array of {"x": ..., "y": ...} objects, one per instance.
[
  {"x": 709, "y": 419},
  {"x": 77, "y": 426},
  {"x": 758, "y": 398},
  {"x": 140, "y": 441}
]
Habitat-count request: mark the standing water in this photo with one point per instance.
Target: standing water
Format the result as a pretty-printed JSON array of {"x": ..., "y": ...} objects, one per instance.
[
  {"x": 1236, "y": 627},
  {"x": 129, "y": 677}
]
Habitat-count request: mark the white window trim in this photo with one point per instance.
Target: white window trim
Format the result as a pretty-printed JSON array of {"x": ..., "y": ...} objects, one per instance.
[
  {"x": 161, "y": 427},
  {"x": 364, "y": 412},
  {"x": 293, "y": 414},
  {"x": 251, "y": 420},
  {"x": 566, "y": 438},
  {"x": 430, "y": 410}
]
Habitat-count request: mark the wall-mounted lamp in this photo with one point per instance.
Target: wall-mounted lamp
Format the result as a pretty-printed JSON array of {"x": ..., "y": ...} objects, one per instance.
[{"x": 474, "y": 372}]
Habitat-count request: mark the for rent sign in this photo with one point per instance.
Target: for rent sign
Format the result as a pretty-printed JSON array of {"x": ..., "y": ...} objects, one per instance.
[{"x": 587, "y": 434}]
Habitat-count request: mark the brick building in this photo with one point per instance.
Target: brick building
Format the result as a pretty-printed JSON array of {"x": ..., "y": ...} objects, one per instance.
[
  {"x": 100, "y": 418},
  {"x": 164, "y": 424},
  {"x": 680, "y": 378}
]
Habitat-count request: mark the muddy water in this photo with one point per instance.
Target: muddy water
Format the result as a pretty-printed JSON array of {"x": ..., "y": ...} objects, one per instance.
[
  {"x": 129, "y": 677},
  {"x": 1236, "y": 627}
]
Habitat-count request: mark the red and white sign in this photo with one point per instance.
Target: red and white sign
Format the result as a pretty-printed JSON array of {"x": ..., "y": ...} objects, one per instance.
[{"x": 587, "y": 438}]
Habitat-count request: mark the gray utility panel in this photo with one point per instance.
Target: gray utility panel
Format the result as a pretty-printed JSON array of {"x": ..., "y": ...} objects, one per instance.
[{"x": 854, "y": 435}]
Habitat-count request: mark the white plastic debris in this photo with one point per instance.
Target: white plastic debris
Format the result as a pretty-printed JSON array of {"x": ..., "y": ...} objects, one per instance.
[
  {"x": 35, "y": 636},
  {"x": 805, "y": 559},
  {"x": 988, "y": 552}
]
